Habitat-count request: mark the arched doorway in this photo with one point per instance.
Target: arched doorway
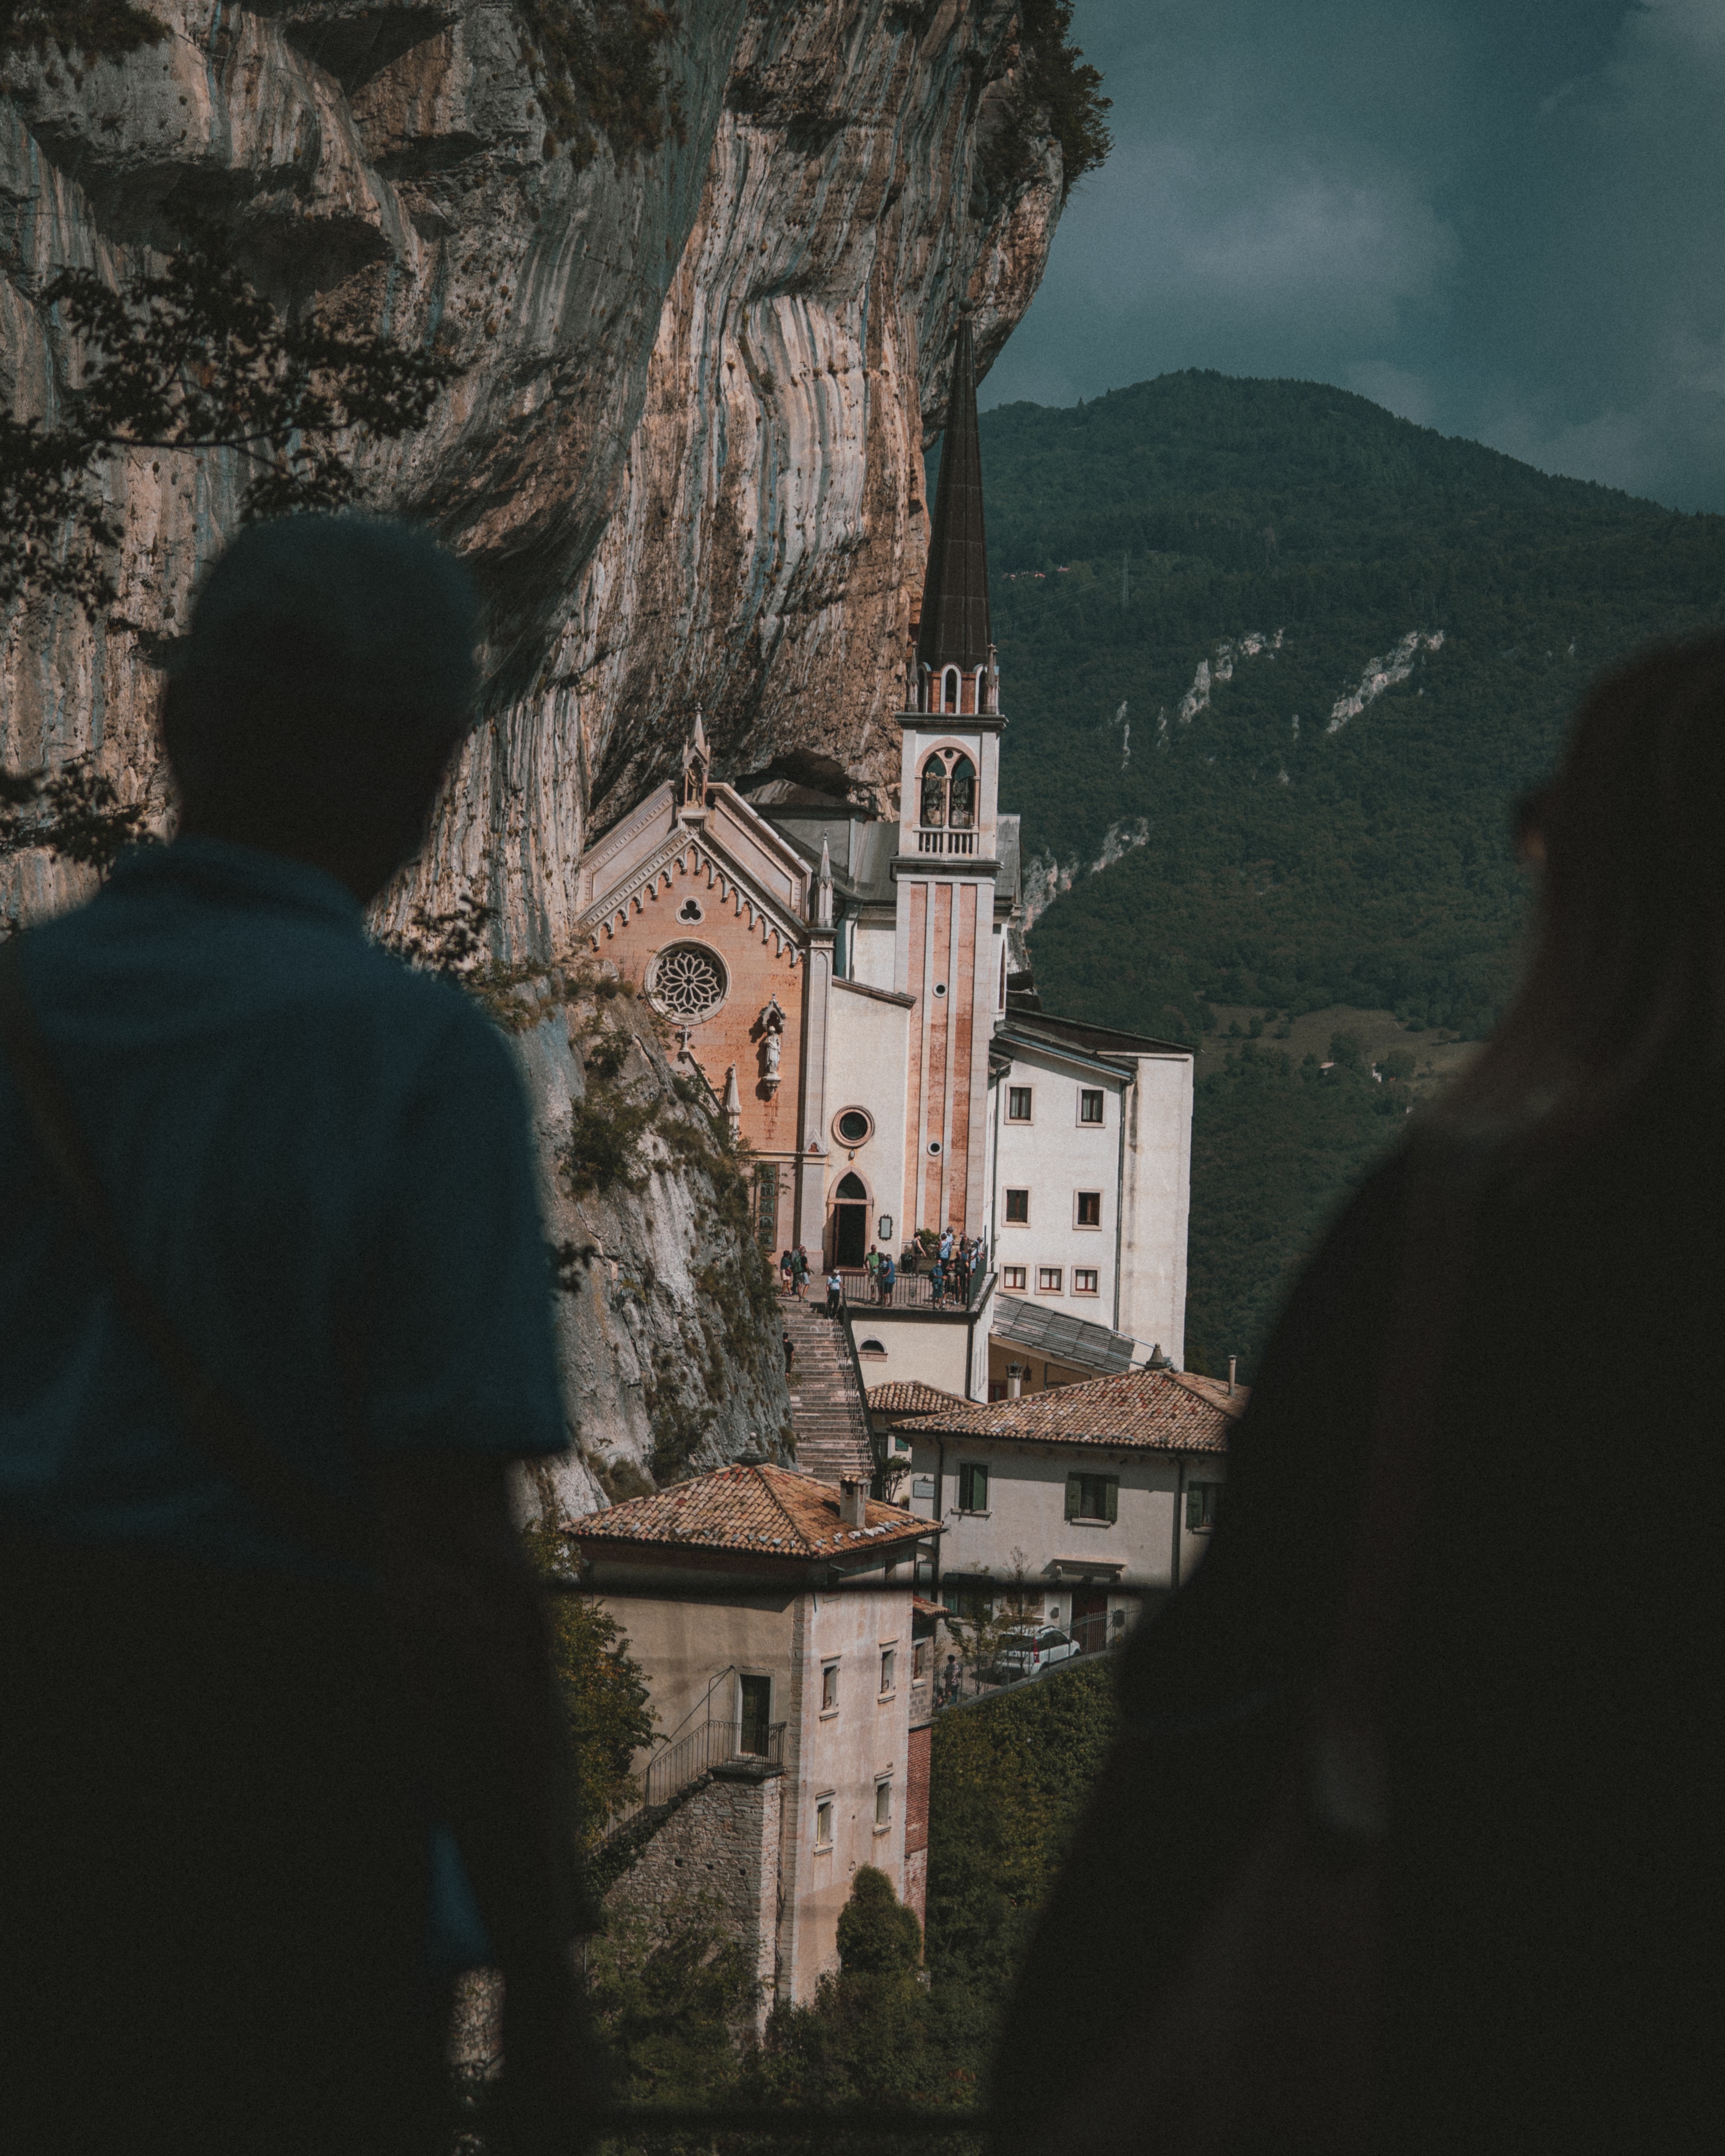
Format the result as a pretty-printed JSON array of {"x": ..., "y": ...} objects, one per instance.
[{"x": 850, "y": 1221}]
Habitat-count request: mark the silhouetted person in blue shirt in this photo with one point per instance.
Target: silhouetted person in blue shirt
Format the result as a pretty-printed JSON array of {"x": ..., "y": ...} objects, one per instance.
[{"x": 235, "y": 1775}]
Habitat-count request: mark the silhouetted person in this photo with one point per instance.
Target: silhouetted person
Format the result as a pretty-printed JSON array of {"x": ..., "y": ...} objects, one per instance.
[
  {"x": 235, "y": 1776},
  {"x": 1553, "y": 1895}
]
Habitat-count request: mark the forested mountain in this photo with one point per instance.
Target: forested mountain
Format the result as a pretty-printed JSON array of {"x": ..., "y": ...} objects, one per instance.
[{"x": 1298, "y": 658}]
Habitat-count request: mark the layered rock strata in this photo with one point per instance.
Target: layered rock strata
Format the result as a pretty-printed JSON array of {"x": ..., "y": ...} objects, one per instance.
[{"x": 683, "y": 450}]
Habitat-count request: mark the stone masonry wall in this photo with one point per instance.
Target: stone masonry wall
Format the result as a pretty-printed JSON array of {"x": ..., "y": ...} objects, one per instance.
[{"x": 720, "y": 1850}]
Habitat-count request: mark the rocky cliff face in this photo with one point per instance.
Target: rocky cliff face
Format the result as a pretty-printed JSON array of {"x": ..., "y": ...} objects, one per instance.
[{"x": 684, "y": 451}]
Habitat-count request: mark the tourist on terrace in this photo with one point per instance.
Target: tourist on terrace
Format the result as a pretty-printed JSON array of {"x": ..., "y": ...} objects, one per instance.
[
  {"x": 282, "y": 1747},
  {"x": 836, "y": 1293},
  {"x": 1440, "y": 1706}
]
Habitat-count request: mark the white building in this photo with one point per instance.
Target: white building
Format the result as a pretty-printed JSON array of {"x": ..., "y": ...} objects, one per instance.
[
  {"x": 1060, "y": 1496},
  {"x": 782, "y": 1756},
  {"x": 841, "y": 981}
]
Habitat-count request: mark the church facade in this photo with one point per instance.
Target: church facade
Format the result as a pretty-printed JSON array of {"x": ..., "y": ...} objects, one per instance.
[{"x": 842, "y": 982}]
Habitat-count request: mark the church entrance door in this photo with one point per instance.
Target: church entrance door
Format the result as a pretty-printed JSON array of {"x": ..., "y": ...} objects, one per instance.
[{"x": 851, "y": 1222}]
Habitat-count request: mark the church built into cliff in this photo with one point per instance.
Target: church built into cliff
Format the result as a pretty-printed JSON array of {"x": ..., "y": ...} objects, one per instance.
[{"x": 842, "y": 983}]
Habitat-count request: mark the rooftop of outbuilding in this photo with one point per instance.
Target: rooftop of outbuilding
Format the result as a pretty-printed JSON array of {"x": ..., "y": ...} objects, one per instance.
[
  {"x": 762, "y": 1511},
  {"x": 1161, "y": 1410}
]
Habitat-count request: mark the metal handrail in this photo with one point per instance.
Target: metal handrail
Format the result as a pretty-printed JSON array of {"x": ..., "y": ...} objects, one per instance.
[{"x": 716, "y": 1743}]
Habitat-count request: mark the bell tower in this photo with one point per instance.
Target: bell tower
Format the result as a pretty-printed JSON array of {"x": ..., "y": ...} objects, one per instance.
[{"x": 947, "y": 951}]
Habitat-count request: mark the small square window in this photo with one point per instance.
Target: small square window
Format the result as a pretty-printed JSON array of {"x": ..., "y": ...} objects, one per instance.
[
  {"x": 889, "y": 1665},
  {"x": 1090, "y": 1209},
  {"x": 973, "y": 1488},
  {"x": 1084, "y": 1280},
  {"x": 1048, "y": 1279},
  {"x": 1090, "y": 1104},
  {"x": 1018, "y": 1207},
  {"x": 829, "y": 1688},
  {"x": 883, "y": 1805},
  {"x": 824, "y": 1823},
  {"x": 900, "y": 1444},
  {"x": 1017, "y": 1104},
  {"x": 1013, "y": 1277}
]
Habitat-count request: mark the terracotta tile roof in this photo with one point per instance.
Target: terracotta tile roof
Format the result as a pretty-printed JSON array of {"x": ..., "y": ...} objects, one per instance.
[
  {"x": 1159, "y": 1409},
  {"x": 910, "y": 1396},
  {"x": 1215, "y": 1390},
  {"x": 767, "y": 1511}
]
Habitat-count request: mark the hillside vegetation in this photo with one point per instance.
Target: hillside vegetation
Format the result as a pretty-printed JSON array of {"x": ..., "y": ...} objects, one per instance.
[{"x": 1341, "y": 647}]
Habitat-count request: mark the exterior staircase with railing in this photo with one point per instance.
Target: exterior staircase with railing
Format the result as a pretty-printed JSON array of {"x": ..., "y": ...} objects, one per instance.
[{"x": 830, "y": 1409}]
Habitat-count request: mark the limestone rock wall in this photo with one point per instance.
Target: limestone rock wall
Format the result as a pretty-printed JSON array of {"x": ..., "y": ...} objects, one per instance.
[
  {"x": 684, "y": 451},
  {"x": 671, "y": 1364}
]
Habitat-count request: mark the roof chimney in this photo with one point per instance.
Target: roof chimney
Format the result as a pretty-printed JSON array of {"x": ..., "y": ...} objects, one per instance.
[
  {"x": 1233, "y": 1361},
  {"x": 853, "y": 1502},
  {"x": 1014, "y": 1381}
]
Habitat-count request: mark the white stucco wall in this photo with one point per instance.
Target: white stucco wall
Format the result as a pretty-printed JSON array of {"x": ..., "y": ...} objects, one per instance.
[
  {"x": 1026, "y": 1517},
  {"x": 867, "y": 1049},
  {"x": 1155, "y": 1202},
  {"x": 842, "y": 1754},
  {"x": 872, "y": 953},
  {"x": 932, "y": 1352},
  {"x": 1055, "y": 1157}
]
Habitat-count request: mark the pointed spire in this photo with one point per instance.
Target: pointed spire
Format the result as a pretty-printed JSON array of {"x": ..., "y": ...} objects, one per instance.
[
  {"x": 954, "y": 630},
  {"x": 824, "y": 886}
]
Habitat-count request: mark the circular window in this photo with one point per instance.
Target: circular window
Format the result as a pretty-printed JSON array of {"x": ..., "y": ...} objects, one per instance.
[
  {"x": 934, "y": 1147},
  {"x": 688, "y": 984},
  {"x": 940, "y": 987},
  {"x": 853, "y": 1127}
]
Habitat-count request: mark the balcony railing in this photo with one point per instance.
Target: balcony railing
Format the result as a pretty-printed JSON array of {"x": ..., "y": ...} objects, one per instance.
[
  {"x": 915, "y": 1290},
  {"x": 945, "y": 842},
  {"x": 712, "y": 1745}
]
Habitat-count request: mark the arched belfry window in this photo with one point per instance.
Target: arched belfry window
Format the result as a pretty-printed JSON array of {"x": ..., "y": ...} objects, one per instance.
[
  {"x": 949, "y": 689},
  {"x": 949, "y": 791}
]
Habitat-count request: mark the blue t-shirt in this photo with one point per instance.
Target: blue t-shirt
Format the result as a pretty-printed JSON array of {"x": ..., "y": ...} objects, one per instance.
[{"x": 320, "y": 1161}]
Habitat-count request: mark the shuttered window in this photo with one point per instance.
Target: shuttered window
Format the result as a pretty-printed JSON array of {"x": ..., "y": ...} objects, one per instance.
[{"x": 1093, "y": 1497}]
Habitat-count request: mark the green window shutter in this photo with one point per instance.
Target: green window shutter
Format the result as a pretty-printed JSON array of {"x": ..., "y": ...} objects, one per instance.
[
  {"x": 1194, "y": 1507},
  {"x": 1074, "y": 1495},
  {"x": 1111, "y": 1490},
  {"x": 979, "y": 1479}
]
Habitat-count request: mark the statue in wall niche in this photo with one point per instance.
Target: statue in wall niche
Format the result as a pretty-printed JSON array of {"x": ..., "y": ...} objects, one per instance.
[{"x": 771, "y": 1027}]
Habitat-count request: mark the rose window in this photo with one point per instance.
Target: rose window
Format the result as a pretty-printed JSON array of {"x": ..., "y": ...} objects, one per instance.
[{"x": 688, "y": 984}]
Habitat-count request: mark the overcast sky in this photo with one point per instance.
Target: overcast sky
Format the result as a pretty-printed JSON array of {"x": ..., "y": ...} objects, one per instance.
[{"x": 1500, "y": 218}]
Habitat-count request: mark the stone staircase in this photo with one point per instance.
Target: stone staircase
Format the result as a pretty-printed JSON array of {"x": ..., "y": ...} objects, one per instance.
[{"x": 828, "y": 1411}]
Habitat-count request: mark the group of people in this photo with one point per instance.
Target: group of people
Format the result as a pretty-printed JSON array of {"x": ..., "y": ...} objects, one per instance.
[{"x": 952, "y": 1266}]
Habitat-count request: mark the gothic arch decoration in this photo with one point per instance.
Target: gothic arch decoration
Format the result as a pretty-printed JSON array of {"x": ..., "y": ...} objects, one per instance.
[
  {"x": 707, "y": 871},
  {"x": 947, "y": 791}
]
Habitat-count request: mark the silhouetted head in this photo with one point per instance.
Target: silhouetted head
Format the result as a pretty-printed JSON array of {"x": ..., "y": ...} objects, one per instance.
[
  {"x": 328, "y": 676},
  {"x": 1626, "y": 987}
]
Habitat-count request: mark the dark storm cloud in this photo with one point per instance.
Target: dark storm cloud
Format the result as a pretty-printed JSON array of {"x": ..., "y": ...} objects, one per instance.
[{"x": 1502, "y": 218}]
